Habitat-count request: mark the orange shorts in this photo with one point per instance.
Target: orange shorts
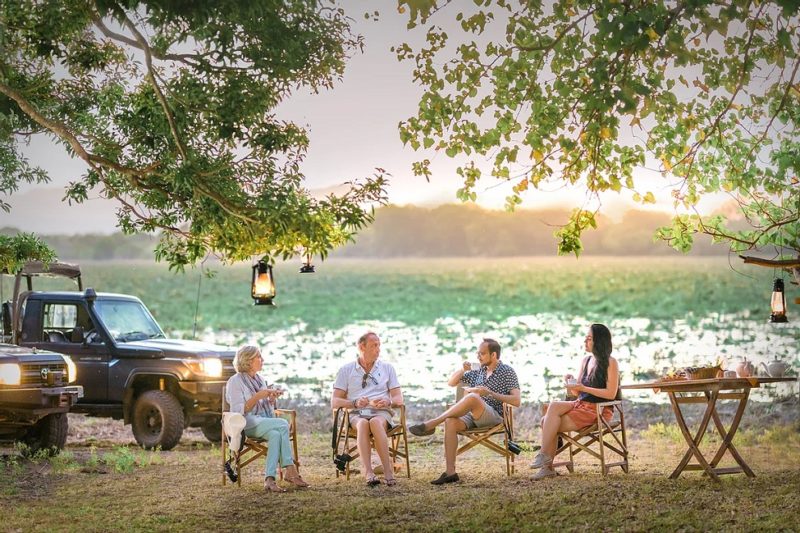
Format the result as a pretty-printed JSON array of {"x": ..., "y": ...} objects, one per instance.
[{"x": 585, "y": 413}]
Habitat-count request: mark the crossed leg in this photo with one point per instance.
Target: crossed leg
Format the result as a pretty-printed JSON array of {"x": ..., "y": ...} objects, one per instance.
[
  {"x": 470, "y": 403},
  {"x": 554, "y": 421}
]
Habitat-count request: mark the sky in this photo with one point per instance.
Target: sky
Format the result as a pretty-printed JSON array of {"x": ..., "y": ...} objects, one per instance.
[{"x": 353, "y": 130}]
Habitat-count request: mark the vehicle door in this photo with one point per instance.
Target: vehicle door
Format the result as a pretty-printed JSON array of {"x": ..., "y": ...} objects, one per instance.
[{"x": 67, "y": 328}]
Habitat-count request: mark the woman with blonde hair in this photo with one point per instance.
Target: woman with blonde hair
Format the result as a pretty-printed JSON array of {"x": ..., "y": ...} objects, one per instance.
[{"x": 248, "y": 394}]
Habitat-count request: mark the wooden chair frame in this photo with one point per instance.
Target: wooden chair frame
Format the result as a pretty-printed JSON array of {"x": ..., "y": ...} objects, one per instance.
[
  {"x": 398, "y": 440},
  {"x": 483, "y": 436},
  {"x": 254, "y": 449},
  {"x": 609, "y": 436}
]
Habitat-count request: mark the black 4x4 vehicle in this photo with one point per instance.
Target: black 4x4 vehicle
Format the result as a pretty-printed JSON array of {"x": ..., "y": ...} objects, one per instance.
[
  {"x": 35, "y": 397},
  {"x": 128, "y": 369}
]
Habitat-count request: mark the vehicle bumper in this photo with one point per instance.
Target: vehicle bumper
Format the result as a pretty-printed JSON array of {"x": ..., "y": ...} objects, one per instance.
[
  {"x": 203, "y": 390},
  {"x": 38, "y": 402},
  {"x": 203, "y": 399}
]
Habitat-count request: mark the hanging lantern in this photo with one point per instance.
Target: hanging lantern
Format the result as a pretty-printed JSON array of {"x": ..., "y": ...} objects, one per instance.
[
  {"x": 307, "y": 267},
  {"x": 263, "y": 285},
  {"x": 778, "y": 303}
]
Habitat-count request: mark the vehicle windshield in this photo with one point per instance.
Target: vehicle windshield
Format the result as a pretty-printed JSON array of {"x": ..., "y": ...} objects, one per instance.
[{"x": 127, "y": 321}]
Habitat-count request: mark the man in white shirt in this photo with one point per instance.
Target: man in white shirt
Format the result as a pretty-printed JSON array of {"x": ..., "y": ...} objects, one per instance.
[{"x": 369, "y": 388}]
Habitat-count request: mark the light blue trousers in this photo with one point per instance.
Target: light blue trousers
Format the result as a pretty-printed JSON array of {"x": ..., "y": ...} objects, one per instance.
[{"x": 276, "y": 432}]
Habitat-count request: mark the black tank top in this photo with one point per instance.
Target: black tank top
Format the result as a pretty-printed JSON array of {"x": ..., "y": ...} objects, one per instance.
[{"x": 587, "y": 382}]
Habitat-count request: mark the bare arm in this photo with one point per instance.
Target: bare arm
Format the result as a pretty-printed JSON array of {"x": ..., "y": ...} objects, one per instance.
[
  {"x": 339, "y": 400},
  {"x": 397, "y": 397},
  {"x": 455, "y": 379},
  {"x": 513, "y": 398},
  {"x": 612, "y": 383}
]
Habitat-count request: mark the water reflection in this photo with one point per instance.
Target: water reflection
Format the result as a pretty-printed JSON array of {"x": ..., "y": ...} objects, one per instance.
[{"x": 541, "y": 348}]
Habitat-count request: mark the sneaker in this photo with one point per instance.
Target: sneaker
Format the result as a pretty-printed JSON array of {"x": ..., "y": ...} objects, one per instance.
[
  {"x": 420, "y": 431},
  {"x": 543, "y": 473},
  {"x": 444, "y": 478},
  {"x": 541, "y": 460}
]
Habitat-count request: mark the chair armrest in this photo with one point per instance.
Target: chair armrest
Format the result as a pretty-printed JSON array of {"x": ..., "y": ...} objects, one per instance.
[
  {"x": 600, "y": 405},
  {"x": 291, "y": 413},
  {"x": 402, "y": 409}
]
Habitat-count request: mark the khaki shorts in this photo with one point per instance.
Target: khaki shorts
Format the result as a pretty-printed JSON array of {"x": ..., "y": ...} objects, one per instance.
[
  {"x": 368, "y": 414},
  {"x": 489, "y": 418}
]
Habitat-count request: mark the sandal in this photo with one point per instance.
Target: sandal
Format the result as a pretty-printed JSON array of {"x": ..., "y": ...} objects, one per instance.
[
  {"x": 373, "y": 481},
  {"x": 271, "y": 486},
  {"x": 391, "y": 482},
  {"x": 297, "y": 482}
]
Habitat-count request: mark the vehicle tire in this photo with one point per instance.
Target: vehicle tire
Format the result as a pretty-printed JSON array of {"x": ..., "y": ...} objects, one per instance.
[
  {"x": 157, "y": 420},
  {"x": 213, "y": 431},
  {"x": 49, "y": 433}
]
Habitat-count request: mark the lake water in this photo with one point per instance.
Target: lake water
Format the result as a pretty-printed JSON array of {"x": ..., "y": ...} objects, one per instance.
[{"x": 541, "y": 348}]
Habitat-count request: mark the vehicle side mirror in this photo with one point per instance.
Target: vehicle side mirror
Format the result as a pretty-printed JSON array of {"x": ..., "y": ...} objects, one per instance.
[
  {"x": 6, "y": 312},
  {"x": 77, "y": 334}
]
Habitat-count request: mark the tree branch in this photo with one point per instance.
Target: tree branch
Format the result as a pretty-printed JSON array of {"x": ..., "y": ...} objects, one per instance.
[
  {"x": 148, "y": 57},
  {"x": 183, "y": 58},
  {"x": 772, "y": 263},
  {"x": 549, "y": 47}
]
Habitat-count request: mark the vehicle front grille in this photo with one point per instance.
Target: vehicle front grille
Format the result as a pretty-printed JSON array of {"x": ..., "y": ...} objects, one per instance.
[{"x": 32, "y": 373}]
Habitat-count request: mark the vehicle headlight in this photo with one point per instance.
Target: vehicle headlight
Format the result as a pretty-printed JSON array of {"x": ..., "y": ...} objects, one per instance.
[
  {"x": 207, "y": 366},
  {"x": 72, "y": 370},
  {"x": 10, "y": 374}
]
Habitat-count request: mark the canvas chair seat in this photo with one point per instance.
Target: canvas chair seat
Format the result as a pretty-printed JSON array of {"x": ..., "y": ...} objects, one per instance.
[
  {"x": 252, "y": 449},
  {"x": 483, "y": 436},
  {"x": 345, "y": 433},
  {"x": 602, "y": 440}
]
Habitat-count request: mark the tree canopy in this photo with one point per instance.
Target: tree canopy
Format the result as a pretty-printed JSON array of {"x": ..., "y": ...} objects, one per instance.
[
  {"x": 172, "y": 106},
  {"x": 588, "y": 93}
]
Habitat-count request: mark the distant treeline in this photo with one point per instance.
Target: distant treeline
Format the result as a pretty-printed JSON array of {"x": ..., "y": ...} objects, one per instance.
[
  {"x": 444, "y": 231},
  {"x": 468, "y": 230},
  {"x": 97, "y": 247}
]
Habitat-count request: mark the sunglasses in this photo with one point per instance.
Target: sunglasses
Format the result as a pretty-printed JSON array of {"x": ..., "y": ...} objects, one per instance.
[{"x": 364, "y": 379}]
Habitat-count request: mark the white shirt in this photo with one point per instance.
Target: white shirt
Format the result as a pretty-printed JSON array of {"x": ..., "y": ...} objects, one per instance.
[{"x": 379, "y": 381}]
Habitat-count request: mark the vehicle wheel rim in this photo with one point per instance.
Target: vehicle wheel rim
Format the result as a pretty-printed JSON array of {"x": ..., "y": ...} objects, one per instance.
[{"x": 153, "y": 421}]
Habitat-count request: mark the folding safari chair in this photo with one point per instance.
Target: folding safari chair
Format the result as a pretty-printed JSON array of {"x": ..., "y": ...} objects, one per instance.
[
  {"x": 598, "y": 440},
  {"x": 483, "y": 436},
  {"x": 343, "y": 447},
  {"x": 252, "y": 449}
]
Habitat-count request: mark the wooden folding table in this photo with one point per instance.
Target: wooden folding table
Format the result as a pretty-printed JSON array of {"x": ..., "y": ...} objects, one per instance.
[{"x": 708, "y": 392}]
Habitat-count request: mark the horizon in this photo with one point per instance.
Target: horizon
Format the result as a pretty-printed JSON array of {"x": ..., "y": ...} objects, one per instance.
[{"x": 33, "y": 211}]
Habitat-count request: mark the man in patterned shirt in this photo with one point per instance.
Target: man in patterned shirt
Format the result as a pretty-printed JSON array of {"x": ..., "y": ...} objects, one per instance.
[{"x": 487, "y": 390}]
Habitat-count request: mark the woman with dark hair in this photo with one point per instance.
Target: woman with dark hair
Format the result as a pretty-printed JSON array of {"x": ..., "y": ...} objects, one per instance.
[{"x": 598, "y": 381}]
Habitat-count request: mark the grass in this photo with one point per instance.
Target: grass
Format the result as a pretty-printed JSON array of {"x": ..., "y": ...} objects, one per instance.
[{"x": 182, "y": 491}]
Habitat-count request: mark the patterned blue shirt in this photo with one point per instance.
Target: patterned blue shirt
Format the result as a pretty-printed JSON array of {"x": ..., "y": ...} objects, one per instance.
[{"x": 502, "y": 381}]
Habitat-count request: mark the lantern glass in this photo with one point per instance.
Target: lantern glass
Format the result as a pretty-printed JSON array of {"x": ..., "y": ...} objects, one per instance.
[
  {"x": 263, "y": 284},
  {"x": 778, "y": 302}
]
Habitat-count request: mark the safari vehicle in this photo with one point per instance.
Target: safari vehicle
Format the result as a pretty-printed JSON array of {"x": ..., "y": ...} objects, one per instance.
[
  {"x": 35, "y": 397},
  {"x": 129, "y": 370}
]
